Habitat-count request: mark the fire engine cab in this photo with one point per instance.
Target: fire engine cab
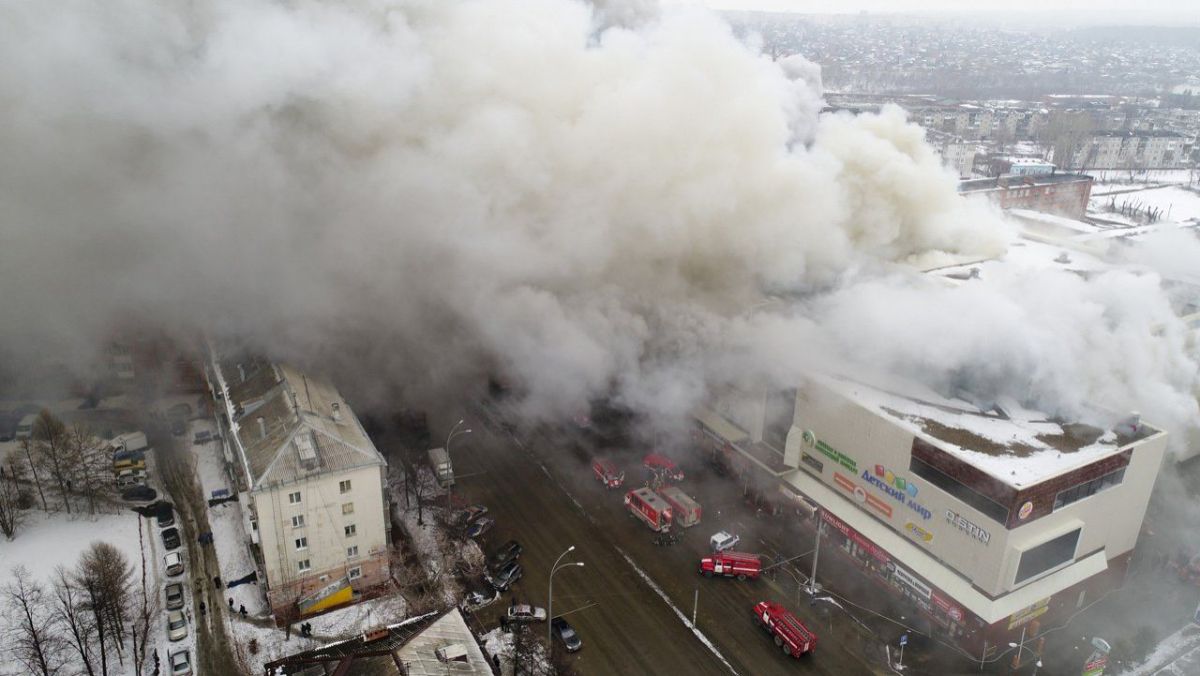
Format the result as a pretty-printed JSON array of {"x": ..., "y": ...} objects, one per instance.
[
  {"x": 790, "y": 633},
  {"x": 732, "y": 564},
  {"x": 649, "y": 506},
  {"x": 606, "y": 473},
  {"x": 663, "y": 466}
]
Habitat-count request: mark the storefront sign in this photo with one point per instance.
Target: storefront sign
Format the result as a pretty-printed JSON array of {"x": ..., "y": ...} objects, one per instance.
[
  {"x": 952, "y": 611},
  {"x": 812, "y": 462},
  {"x": 917, "y": 533},
  {"x": 810, "y": 439},
  {"x": 861, "y": 496},
  {"x": 906, "y": 578},
  {"x": 901, "y": 495},
  {"x": 1029, "y": 614},
  {"x": 855, "y": 536},
  {"x": 968, "y": 527},
  {"x": 1026, "y": 510},
  {"x": 1095, "y": 665}
]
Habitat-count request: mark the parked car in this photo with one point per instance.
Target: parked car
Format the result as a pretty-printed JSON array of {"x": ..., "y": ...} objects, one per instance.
[
  {"x": 178, "y": 427},
  {"x": 525, "y": 613},
  {"x": 181, "y": 663},
  {"x": 165, "y": 516},
  {"x": 128, "y": 478},
  {"x": 480, "y": 527},
  {"x": 476, "y": 599},
  {"x": 140, "y": 493},
  {"x": 723, "y": 540},
  {"x": 173, "y": 562},
  {"x": 566, "y": 633},
  {"x": 202, "y": 437},
  {"x": 174, "y": 594},
  {"x": 506, "y": 575},
  {"x": 177, "y": 629},
  {"x": 509, "y": 551},
  {"x": 170, "y": 538}
]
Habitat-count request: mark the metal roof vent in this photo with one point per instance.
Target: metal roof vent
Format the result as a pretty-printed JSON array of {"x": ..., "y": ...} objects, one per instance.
[{"x": 306, "y": 448}]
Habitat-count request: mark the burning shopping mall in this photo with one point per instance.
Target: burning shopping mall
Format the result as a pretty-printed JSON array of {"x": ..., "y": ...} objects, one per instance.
[{"x": 995, "y": 522}]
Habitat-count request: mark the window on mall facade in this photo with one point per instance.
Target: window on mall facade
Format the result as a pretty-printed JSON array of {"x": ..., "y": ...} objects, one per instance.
[
  {"x": 1047, "y": 555},
  {"x": 961, "y": 491},
  {"x": 1088, "y": 488}
]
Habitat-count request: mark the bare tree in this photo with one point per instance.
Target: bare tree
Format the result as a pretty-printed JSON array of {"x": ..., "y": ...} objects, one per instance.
[
  {"x": 148, "y": 602},
  {"x": 91, "y": 467},
  {"x": 12, "y": 511},
  {"x": 103, "y": 575},
  {"x": 73, "y": 620},
  {"x": 27, "y": 445},
  {"x": 53, "y": 445},
  {"x": 33, "y": 641}
]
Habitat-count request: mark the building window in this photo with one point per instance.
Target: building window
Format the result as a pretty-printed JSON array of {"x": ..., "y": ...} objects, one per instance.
[
  {"x": 344, "y": 486},
  {"x": 298, "y": 521},
  {"x": 355, "y": 573},
  {"x": 970, "y": 496},
  {"x": 301, "y": 543},
  {"x": 347, "y": 508},
  {"x": 294, "y": 498},
  {"x": 1088, "y": 488},
  {"x": 351, "y": 530},
  {"x": 1047, "y": 555},
  {"x": 352, "y": 552},
  {"x": 303, "y": 565}
]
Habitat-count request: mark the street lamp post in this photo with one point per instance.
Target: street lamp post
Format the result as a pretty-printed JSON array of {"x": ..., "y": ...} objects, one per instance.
[
  {"x": 812, "y": 580},
  {"x": 550, "y": 602},
  {"x": 450, "y": 487},
  {"x": 1020, "y": 649}
]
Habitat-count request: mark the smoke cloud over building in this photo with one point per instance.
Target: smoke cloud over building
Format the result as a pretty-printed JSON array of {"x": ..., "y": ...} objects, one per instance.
[{"x": 426, "y": 192}]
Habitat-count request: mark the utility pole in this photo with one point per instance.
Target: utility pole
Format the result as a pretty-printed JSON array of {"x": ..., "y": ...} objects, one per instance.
[
  {"x": 812, "y": 580},
  {"x": 695, "y": 605}
]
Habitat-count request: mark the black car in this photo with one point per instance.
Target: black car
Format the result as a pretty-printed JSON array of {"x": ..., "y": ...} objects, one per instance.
[
  {"x": 165, "y": 516},
  {"x": 140, "y": 493},
  {"x": 508, "y": 552},
  {"x": 170, "y": 538},
  {"x": 506, "y": 575},
  {"x": 566, "y": 633}
]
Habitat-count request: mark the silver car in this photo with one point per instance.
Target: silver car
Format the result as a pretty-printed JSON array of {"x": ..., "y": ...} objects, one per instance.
[
  {"x": 176, "y": 626},
  {"x": 174, "y": 594}
]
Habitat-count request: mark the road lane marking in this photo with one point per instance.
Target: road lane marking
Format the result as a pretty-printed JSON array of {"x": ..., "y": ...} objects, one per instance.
[{"x": 678, "y": 613}]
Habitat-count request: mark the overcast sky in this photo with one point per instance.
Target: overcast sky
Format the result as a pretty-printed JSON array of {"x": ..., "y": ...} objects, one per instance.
[{"x": 1190, "y": 8}]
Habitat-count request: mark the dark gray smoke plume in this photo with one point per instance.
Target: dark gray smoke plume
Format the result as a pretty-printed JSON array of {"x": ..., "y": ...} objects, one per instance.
[{"x": 425, "y": 191}]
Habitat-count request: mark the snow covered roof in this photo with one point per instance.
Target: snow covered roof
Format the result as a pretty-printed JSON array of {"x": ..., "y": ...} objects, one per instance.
[
  {"x": 1014, "y": 445},
  {"x": 290, "y": 425}
]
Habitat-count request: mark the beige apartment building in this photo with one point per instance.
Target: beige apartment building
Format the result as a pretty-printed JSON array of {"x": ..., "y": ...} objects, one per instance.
[
  {"x": 990, "y": 521},
  {"x": 316, "y": 484}
]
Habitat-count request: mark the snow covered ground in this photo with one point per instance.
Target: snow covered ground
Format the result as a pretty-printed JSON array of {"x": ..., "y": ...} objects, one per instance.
[
  {"x": 1175, "y": 204},
  {"x": 1177, "y": 655}
]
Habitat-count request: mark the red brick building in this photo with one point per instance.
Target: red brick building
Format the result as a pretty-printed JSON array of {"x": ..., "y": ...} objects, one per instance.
[{"x": 1056, "y": 193}]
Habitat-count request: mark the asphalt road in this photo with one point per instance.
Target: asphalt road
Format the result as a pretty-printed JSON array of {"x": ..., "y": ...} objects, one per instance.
[{"x": 540, "y": 491}]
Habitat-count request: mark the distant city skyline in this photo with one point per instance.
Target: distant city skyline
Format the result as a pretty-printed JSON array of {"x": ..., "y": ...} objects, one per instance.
[{"x": 1157, "y": 9}]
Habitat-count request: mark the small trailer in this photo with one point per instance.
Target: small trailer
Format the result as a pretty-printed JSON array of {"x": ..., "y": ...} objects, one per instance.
[
  {"x": 684, "y": 510},
  {"x": 648, "y": 506}
]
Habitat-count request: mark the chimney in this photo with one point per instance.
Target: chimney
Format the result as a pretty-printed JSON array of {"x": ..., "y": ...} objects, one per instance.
[
  {"x": 337, "y": 411},
  {"x": 262, "y": 427}
]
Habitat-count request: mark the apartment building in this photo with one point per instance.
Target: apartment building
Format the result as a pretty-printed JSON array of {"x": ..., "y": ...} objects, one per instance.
[
  {"x": 316, "y": 486},
  {"x": 1142, "y": 149},
  {"x": 993, "y": 522}
]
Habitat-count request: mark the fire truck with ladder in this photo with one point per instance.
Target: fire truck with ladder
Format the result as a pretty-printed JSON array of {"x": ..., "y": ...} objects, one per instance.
[
  {"x": 649, "y": 506},
  {"x": 790, "y": 633},
  {"x": 732, "y": 564}
]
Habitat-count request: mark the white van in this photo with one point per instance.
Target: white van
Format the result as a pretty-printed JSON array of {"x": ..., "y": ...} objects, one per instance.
[{"x": 25, "y": 427}]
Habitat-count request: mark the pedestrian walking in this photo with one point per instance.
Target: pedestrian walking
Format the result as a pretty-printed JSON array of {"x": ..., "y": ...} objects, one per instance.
[
  {"x": 242, "y": 610},
  {"x": 217, "y": 581},
  {"x": 203, "y": 608},
  {"x": 231, "y": 604}
]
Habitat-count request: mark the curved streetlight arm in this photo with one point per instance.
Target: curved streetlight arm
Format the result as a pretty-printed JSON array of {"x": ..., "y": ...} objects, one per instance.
[{"x": 550, "y": 597}]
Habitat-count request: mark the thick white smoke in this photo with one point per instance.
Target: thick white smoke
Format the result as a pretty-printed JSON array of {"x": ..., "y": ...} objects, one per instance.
[{"x": 424, "y": 191}]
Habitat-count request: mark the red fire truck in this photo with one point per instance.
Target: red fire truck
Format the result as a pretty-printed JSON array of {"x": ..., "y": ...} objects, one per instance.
[
  {"x": 663, "y": 466},
  {"x": 606, "y": 473},
  {"x": 684, "y": 510},
  {"x": 732, "y": 564},
  {"x": 790, "y": 633},
  {"x": 648, "y": 506}
]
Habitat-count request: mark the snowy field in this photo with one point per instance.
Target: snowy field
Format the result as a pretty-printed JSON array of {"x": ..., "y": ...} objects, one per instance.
[{"x": 1125, "y": 176}]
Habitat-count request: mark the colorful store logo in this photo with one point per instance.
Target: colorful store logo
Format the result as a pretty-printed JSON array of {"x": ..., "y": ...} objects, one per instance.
[
  {"x": 897, "y": 488},
  {"x": 810, "y": 439},
  {"x": 1026, "y": 510},
  {"x": 897, "y": 482},
  {"x": 918, "y": 533}
]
